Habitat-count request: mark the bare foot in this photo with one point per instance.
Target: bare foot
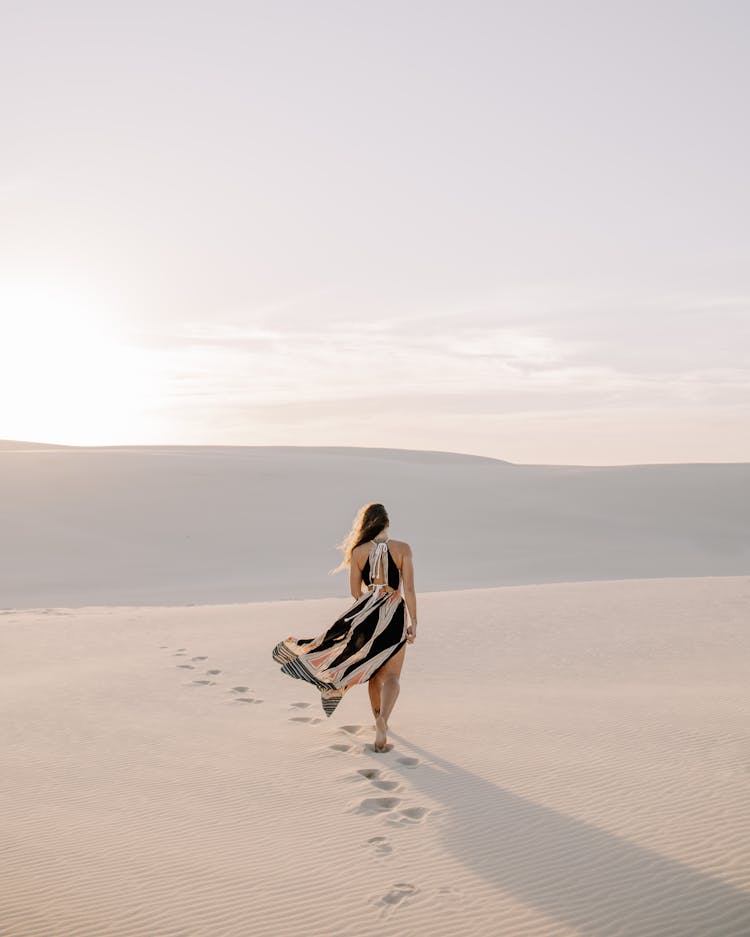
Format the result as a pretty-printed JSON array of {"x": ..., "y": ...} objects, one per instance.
[{"x": 381, "y": 734}]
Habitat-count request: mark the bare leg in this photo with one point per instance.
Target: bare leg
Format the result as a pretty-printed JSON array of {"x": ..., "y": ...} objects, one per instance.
[
  {"x": 390, "y": 687},
  {"x": 373, "y": 688},
  {"x": 389, "y": 695}
]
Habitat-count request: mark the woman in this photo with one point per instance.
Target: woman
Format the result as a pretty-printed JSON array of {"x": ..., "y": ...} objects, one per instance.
[{"x": 367, "y": 643}]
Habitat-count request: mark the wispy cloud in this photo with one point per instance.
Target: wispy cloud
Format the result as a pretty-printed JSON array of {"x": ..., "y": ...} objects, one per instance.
[{"x": 675, "y": 354}]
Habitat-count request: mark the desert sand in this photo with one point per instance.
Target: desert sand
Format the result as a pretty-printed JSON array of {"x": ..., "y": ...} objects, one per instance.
[
  {"x": 568, "y": 758},
  {"x": 172, "y": 525}
]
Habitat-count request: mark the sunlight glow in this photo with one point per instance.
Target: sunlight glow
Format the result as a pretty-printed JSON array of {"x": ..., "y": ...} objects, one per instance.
[{"x": 67, "y": 376}]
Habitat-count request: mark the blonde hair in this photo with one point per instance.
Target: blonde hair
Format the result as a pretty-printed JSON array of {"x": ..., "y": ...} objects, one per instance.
[{"x": 368, "y": 522}]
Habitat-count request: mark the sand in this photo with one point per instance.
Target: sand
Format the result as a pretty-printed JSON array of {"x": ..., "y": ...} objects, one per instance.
[
  {"x": 570, "y": 752},
  {"x": 150, "y": 525},
  {"x": 568, "y": 759}
]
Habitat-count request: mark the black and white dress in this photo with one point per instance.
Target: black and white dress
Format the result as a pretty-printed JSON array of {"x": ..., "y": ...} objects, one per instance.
[{"x": 358, "y": 643}]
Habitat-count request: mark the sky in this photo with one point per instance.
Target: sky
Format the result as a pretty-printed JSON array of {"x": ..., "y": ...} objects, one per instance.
[{"x": 514, "y": 229}]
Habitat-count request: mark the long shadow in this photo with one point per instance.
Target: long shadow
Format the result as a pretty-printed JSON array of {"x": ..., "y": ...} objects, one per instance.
[{"x": 596, "y": 882}]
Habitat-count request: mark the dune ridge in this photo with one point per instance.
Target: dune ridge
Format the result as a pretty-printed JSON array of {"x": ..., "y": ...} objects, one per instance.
[{"x": 185, "y": 525}]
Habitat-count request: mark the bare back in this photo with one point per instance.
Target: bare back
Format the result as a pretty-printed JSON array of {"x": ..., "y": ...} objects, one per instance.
[
  {"x": 396, "y": 548},
  {"x": 400, "y": 553}
]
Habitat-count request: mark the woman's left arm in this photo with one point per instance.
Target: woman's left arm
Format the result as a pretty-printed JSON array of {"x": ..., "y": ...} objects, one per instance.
[{"x": 355, "y": 578}]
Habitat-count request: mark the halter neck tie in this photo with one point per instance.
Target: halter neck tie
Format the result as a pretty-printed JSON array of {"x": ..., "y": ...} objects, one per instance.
[{"x": 378, "y": 558}]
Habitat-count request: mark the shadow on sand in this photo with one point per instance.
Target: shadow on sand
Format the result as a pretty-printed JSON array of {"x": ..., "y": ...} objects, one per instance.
[{"x": 596, "y": 882}]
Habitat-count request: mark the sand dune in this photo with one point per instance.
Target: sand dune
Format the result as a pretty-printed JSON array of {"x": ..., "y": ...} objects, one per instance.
[
  {"x": 568, "y": 759},
  {"x": 17, "y": 445},
  {"x": 180, "y": 525}
]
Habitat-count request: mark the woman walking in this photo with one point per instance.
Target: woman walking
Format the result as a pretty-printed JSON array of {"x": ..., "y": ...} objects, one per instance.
[{"x": 367, "y": 644}]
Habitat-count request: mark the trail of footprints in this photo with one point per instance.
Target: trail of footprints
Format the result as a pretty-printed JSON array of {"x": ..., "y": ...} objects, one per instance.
[
  {"x": 390, "y": 807},
  {"x": 384, "y": 802},
  {"x": 239, "y": 693}
]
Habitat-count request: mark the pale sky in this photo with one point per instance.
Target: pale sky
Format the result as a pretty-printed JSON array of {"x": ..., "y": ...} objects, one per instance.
[{"x": 515, "y": 229}]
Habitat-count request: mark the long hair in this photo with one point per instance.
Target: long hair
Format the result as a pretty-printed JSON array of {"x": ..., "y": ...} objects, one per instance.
[{"x": 369, "y": 520}]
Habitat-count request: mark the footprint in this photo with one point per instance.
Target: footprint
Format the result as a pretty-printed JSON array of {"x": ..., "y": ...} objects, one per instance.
[
  {"x": 353, "y": 730},
  {"x": 381, "y": 845},
  {"x": 213, "y": 671},
  {"x": 410, "y": 815},
  {"x": 370, "y": 773},
  {"x": 163, "y": 647},
  {"x": 398, "y": 893},
  {"x": 246, "y": 699},
  {"x": 340, "y": 748},
  {"x": 199, "y": 658},
  {"x": 178, "y": 654},
  {"x": 375, "y": 805},
  {"x": 186, "y": 667},
  {"x": 300, "y": 705},
  {"x": 240, "y": 689},
  {"x": 408, "y": 762},
  {"x": 181, "y": 648},
  {"x": 310, "y": 719},
  {"x": 373, "y": 775},
  {"x": 204, "y": 682}
]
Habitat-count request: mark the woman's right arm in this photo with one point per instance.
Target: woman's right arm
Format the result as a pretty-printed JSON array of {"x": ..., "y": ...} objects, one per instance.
[{"x": 410, "y": 596}]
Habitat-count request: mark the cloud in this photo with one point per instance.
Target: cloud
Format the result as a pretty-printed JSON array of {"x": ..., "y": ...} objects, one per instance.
[{"x": 231, "y": 364}]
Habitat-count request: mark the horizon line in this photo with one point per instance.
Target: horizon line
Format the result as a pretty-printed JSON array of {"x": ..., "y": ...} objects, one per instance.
[{"x": 10, "y": 445}]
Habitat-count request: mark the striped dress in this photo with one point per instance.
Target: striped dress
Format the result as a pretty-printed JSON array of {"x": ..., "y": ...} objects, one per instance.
[{"x": 358, "y": 643}]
